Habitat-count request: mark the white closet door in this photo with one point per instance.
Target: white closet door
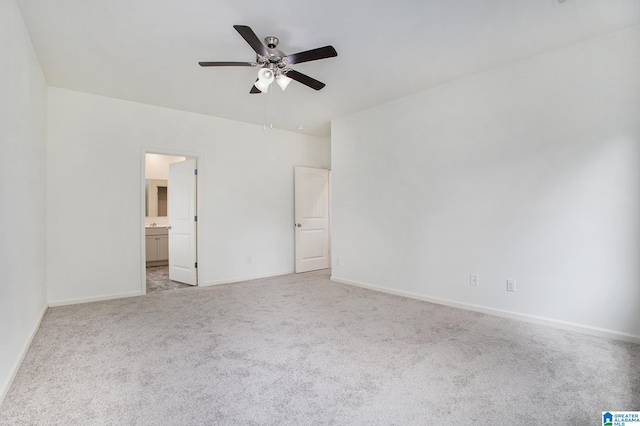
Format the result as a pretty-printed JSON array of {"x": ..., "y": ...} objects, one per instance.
[{"x": 311, "y": 219}]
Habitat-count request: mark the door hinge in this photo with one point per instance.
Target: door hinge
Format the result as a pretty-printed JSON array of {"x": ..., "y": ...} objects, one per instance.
[
  {"x": 195, "y": 172},
  {"x": 195, "y": 218},
  {"x": 196, "y": 265}
]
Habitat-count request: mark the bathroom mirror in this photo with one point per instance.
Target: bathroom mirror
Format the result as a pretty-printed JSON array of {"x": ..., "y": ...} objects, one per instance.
[{"x": 156, "y": 196}]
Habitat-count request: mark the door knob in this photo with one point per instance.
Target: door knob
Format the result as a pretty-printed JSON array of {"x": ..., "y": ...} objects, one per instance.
[{"x": 299, "y": 225}]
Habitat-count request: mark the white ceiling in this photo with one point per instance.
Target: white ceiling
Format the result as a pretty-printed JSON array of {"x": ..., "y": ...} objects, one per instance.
[{"x": 148, "y": 50}]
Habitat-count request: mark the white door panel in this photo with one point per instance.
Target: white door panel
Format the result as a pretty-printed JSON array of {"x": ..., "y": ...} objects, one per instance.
[
  {"x": 182, "y": 222},
  {"x": 311, "y": 218}
]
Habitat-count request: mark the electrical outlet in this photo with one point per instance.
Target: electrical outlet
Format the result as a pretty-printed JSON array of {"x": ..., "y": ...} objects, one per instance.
[
  {"x": 337, "y": 261},
  {"x": 473, "y": 280},
  {"x": 511, "y": 285},
  {"x": 249, "y": 260}
]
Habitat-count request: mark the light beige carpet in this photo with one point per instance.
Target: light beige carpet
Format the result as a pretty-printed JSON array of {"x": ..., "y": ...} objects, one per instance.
[{"x": 301, "y": 349}]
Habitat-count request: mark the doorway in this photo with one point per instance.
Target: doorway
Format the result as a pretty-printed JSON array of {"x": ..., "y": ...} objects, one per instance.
[{"x": 169, "y": 197}]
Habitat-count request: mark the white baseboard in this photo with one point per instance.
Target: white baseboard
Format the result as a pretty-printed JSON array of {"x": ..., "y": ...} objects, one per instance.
[
  {"x": 246, "y": 278},
  {"x": 16, "y": 365},
  {"x": 585, "y": 329},
  {"x": 93, "y": 299}
]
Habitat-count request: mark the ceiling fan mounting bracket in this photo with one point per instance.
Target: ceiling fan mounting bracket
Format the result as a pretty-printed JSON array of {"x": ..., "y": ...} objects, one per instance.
[{"x": 271, "y": 42}]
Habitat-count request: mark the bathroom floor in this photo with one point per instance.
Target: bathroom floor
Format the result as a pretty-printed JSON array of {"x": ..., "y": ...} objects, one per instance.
[{"x": 158, "y": 280}]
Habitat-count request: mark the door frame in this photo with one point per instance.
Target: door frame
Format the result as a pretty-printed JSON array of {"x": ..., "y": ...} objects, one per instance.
[{"x": 199, "y": 157}]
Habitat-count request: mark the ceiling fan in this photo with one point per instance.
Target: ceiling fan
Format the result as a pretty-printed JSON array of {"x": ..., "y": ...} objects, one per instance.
[{"x": 274, "y": 63}]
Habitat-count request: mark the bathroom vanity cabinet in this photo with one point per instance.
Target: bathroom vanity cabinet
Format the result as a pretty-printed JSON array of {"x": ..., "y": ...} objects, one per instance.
[{"x": 157, "y": 246}]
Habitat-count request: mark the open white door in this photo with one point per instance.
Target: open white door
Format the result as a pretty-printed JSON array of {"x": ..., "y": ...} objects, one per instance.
[
  {"x": 312, "y": 219},
  {"x": 182, "y": 222}
]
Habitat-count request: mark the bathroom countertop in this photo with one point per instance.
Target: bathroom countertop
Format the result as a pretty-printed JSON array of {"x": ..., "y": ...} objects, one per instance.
[{"x": 156, "y": 230}]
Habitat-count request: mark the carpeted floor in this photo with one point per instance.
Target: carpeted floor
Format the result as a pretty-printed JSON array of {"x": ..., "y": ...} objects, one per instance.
[{"x": 300, "y": 349}]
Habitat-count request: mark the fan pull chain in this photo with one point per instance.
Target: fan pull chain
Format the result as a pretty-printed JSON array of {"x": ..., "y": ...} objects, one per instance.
[{"x": 268, "y": 107}]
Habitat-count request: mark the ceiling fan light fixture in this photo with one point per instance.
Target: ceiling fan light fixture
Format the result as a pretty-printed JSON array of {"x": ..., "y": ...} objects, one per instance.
[
  {"x": 266, "y": 76},
  {"x": 283, "y": 81},
  {"x": 261, "y": 86}
]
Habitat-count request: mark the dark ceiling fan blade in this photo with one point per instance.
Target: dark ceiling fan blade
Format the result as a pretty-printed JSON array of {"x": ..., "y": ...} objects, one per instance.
[
  {"x": 312, "y": 55},
  {"x": 254, "y": 89},
  {"x": 227, "y": 64},
  {"x": 251, "y": 38},
  {"x": 305, "y": 79}
]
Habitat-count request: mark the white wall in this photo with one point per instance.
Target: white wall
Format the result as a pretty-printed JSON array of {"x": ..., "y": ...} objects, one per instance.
[
  {"x": 245, "y": 205},
  {"x": 530, "y": 171},
  {"x": 157, "y": 165},
  {"x": 22, "y": 192}
]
